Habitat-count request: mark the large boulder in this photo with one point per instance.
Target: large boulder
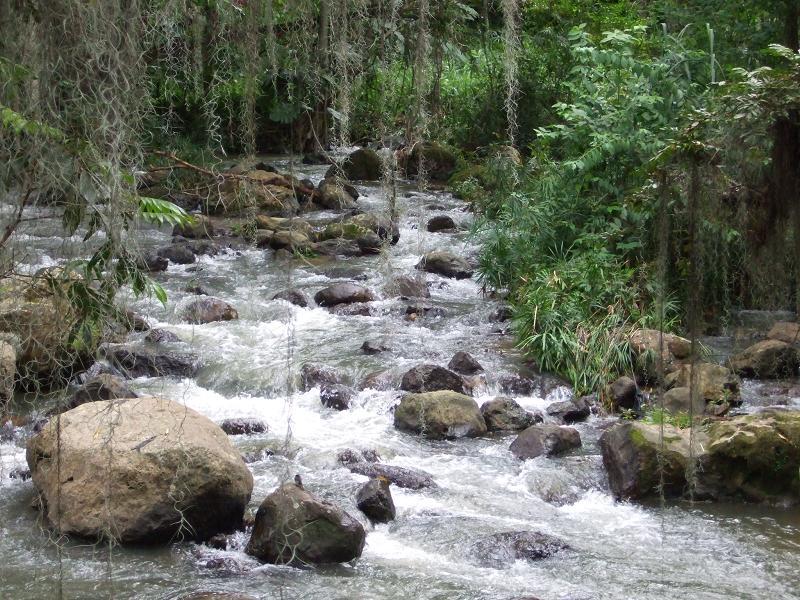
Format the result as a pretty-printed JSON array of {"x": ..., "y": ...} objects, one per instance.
[
  {"x": 362, "y": 165},
  {"x": 440, "y": 415},
  {"x": 343, "y": 293},
  {"x": 332, "y": 195},
  {"x": 198, "y": 227},
  {"x": 505, "y": 414},
  {"x": 206, "y": 309},
  {"x": 785, "y": 331},
  {"x": 715, "y": 385},
  {"x": 573, "y": 410},
  {"x": 545, "y": 440},
  {"x": 38, "y": 314},
  {"x": 134, "y": 361},
  {"x": 752, "y": 457},
  {"x": 141, "y": 470},
  {"x": 8, "y": 370},
  {"x": 432, "y": 378},
  {"x": 437, "y": 162},
  {"x": 768, "y": 359},
  {"x": 446, "y": 264},
  {"x": 500, "y": 550},
  {"x": 646, "y": 346},
  {"x": 624, "y": 394},
  {"x": 374, "y": 499},
  {"x": 293, "y": 527}
]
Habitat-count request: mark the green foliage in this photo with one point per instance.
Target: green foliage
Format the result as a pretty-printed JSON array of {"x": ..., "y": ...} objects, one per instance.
[{"x": 658, "y": 416}]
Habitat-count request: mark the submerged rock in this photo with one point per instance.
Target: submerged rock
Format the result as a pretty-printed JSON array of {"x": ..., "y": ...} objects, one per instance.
[
  {"x": 446, "y": 264},
  {"x": 545, "y": 440},
  {"x": 373, "y": 347},
  {"x": 440, "y": 415},
  {"x": 312, "y": 376},
  {"x": 500, "y": 550},
  {"x": 411, "y": 479},
  {"x": 374, "y": 499},
  {"x": 408, "y": 286},
  {"x": 768, "y": 359},
  {"x": 293, "y": 527},
  {"x": 752, "y": 457},
  {"x": 431, "y": 378},
  {"x": 161, "y": 336},
  {"x": 343, "y": 293},
  {"x": 505, "y": 414},
  {"x": 336, "y": 396},
  {"x": 206, "y": 309},
  {"x": 140, "y": 471},
  {"x": 243, "y": 426},
  {"x": 295, "y": 297}
]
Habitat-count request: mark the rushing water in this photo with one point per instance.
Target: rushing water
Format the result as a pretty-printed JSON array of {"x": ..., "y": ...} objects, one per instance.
[{"x": 618, "y": 550}]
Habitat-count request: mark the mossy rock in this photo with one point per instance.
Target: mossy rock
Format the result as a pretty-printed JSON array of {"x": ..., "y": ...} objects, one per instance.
[{"x": 438, "y": 161}]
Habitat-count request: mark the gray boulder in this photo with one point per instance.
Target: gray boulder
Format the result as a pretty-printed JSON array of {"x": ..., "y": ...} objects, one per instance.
[
  {"x": 206, "y": 309},
  {"x": 431, "y": 378},
  {"x": 440, "y": 415},
  {"x": 374, "y": 499},
  {"x": 505, "y": 414},
  {"x": 293, "y": 527},
  {"x": 545, "y": 440},
  {"x": 446, "y": 264},
  {"x": 343, "y": 293},
  {"x": 500, "y": 550}
]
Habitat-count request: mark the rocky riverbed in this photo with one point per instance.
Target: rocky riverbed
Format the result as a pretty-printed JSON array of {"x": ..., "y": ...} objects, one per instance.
[{"x": 304, "y": 361}]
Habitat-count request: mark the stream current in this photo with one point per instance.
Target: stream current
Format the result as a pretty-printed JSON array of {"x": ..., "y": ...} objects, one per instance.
[{"x": 618, "y": 550}]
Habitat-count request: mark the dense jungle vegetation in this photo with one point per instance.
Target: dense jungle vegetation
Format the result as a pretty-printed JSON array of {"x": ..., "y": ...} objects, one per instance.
[{"x": 631, "y": 162}]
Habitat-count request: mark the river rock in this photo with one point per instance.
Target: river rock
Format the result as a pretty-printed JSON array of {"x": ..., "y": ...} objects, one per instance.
[
  {"x": 374, "y": 499},
  {"x": 624, "y": 394},
  {"x": 362, "y": 165},
  {"x": 418, "y": 309},
  {"x": 431, "y": 378},
  {"x": 101, "y": 387},
  {"x": 38, "y": 324},
  {"x": 141, "y": 470},
  {"x": 412, "y": 479},
  {"x": 464, "y": 363},
  {"x": 198, "y": 227},
  {"x": 408, "y": 286},
  {"x": 735, "y": 458},
  {"x": 312, "y": 376},
  {"x": 441, "y": 223},
  {"x": 343, "y": 293},
  {"x": 369, "y": 243},
  {"x": 295, "y": 297},
  {"x": 645, "y": 346},
  {"x": 152, "y": 263},
  {"x": 179, "y": 254},
  {"x": 316, "y": 158},
  {"x": 207, "y": 309},
  {"x": 351, "y": 455},
  {"x": 8, "y": 371},
  {"x": 243, "y": 426},
  {"x": 570, "y": 411},
  {"x": 379, "y": 380},
  {"x": 500, "y": 550},
  {"x": 446, "y": 264},
  {"x": 545, "y": 440},
  {"x": 133, "y": 361},
  {"x": 357, "y": 309},
  {"x": 715, "y": 384},
  {"x": 768, "y": 359},
  {"x": 331, "y": 194},
  {"x": 294, "y": 527},
  {"x": 438, "y": 162},
  {"x": 785, "y": 331},
  {"x": 505, "y": 414},
  {"x": 372, "y": 347},
  {"x": 679, "y": 400},
  {"x": 336, "y": 396},
  {"x": 161, "y": 336},
  {"x": 284, "y": 239},
  {"x": 440, "y": 415},
  {"x": 337, "y": 247}
]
